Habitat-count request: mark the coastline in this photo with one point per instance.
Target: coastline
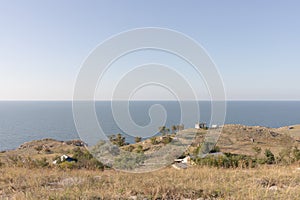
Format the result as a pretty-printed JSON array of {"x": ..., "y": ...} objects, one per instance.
[{"x": 33, "y": 179}]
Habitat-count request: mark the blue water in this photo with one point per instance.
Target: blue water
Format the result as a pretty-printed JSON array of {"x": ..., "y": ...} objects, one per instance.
[{"x": 25, "y": 121}]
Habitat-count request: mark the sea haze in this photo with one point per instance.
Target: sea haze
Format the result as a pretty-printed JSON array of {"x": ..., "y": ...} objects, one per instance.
[{"x": 22, "y": 121}]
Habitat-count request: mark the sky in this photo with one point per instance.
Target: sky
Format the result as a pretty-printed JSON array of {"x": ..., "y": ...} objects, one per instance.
[{"x": 254, "y": 44}]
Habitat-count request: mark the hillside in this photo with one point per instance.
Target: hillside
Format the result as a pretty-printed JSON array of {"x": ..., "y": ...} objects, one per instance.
[
  {"x": 236, "y": 139},
  {"x": 242, "y": 139},
  {"x": 40, "y": 149},
  {"x": 28, "y": 173}
]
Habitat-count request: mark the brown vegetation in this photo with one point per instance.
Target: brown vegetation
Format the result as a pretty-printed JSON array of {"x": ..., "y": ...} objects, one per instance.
[
  {"x": 259, "y": 163},
  {"x": 265, "y": 182}
]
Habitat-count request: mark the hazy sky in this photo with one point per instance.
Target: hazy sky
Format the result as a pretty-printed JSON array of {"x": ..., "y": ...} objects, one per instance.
[{"x": 255, "y": 44}]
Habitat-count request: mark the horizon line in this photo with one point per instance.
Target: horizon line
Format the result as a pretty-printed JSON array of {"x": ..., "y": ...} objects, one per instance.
[{"x": 64, "y": 100}]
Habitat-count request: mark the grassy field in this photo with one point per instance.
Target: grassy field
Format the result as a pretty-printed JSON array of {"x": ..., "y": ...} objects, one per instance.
[{"x": 265, "y": 182}]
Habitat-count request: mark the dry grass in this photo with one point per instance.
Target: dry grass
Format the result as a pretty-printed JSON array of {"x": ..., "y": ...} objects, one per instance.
[
  {"x": 265, "y": 182},
  {"x": 262, "y": 182},
  {"x": 237, "y": 139}
]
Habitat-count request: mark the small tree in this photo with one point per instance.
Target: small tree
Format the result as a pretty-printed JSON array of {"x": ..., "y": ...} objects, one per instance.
[
  {"x": 180, "y": 127},
  {"x": 162, "y": 130},
  {"x": 112, "y": 138},
  {"x": 174, "y": 129},
  {"x": 167, "y": 139},
  {"x": 137, "y": 139},
  {"x": 118, "y": 140},
  {"x": 153, "y": 140},
  {"x": 167, "y": 131},
  {"x": 139, "y": 149}
]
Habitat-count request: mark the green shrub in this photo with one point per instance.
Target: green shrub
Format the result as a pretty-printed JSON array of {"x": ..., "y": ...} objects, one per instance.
[
  {"x": 166, "y": 139},
  {"x": 118, "y": 140},
  {"x": 296, "y": 153},
  {"x": 86, "y": 160},
  {"x": 41, "y": 162},
  {"x": 270, "y": 158},
  {"x": 164, "y": 130},
  {"x": 154, "y": 141},
  {"x": 129, "y": 148},
  {"x": 139, "y": 149},
  {"x": 28, "y": 162},
  {"x": 83, "y": 159},
  {"x": 227, "y": 161},
  {"x": 68, "y": 165},
  {"x": 93, "y": 164},
  {"x": 80, "y": 154},
  {"x": 137, "y": 139}
]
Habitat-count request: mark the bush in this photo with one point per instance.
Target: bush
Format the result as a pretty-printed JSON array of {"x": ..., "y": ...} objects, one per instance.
[
  {"x": 227, "y": 161},
  {"x": 68, "y": 165},
  {"x": 137, "y": 139},
  {"x": 82, "y": 159},
  {"x": 118, "y": 140},
  {"x": 215, "y": 149},
  {"x": 28, "y": 162},
  {"x": 270, "y": 158},
  {"x": 41, "y": 163},
  {"x": 154, "y": 141},
  {"x": 166, "y": 139},
  {"x": 296, "y": 154},
  {"x": 140, "y": 149},
  {"x": 39, "y": 148},
  {"x": 86, "y": 160},
  {"x": 288, "y": 155},
  {"x": 129, "y": 148}
]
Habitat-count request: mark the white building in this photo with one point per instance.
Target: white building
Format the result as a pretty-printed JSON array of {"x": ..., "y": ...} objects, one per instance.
[{"x": 200, "y": 125}]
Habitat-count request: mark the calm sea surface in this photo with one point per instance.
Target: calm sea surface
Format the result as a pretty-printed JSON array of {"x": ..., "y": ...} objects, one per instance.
[{"x": 25, "y": 121}]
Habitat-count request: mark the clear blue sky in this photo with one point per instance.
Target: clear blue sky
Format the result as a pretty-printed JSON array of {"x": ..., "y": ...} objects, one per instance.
[{"x": 255, "y": 44}]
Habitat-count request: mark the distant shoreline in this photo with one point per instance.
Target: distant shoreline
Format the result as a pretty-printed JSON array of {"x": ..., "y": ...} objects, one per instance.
[
  {"x": 293, "y": 129},
  {"x": 22, "y": 121},
  {"x": 78, "y": 138}
]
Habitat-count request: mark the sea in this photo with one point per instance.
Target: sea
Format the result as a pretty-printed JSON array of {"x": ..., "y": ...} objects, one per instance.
[{"x": 23, "y": 121}]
